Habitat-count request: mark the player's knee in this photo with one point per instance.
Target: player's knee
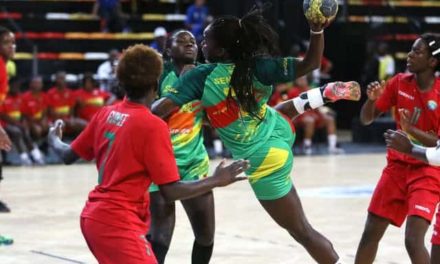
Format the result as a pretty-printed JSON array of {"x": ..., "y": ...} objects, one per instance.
[
  {"x": 205, "y": 239},
  {"x": 413, "y": 244}
]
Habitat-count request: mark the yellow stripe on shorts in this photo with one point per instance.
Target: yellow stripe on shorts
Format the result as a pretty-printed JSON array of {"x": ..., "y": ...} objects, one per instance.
[{"x": 274, "y": 160}]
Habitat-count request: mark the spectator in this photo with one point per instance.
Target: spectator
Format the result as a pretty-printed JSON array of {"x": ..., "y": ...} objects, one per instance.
[
  {"x": 197, "y": 16},
  {"x": 11, "y": 118},
  {"x": 387, "y": 66},
  {"x": 61, "y": 101},
  {"x": 106, "y": 71},
  {"x": 380, "y": 66},
  {"x": 160, "y": 39},
  {"x": 111, "y": 15},
  {"x": 322, "y": 117},
  {"x": 90, "y": 99},
  {"x": 34, "y": 109}
]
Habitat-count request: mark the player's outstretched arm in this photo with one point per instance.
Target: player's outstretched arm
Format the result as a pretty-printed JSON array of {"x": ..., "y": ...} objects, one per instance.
[
  {"x": 399, "y": 141},
  {"x": 223, "y": 176},
  {"x": 313, "y": 56},
  {"x": 369, "y": 112},
  {"x": 163, "y": 107},
  {"x": 63, "y": 150}
]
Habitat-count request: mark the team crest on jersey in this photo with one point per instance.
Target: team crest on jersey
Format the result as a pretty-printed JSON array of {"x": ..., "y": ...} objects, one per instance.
[{"x": 432, "y": 105}]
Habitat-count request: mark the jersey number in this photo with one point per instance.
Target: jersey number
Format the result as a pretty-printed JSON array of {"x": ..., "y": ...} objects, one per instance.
[{"x": 111, "y": 138}]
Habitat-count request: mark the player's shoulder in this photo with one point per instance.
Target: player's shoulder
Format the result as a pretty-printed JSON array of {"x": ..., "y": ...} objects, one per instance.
[
  {"x": 405, "y": 77},
  {"x": 202, "y": 69}
]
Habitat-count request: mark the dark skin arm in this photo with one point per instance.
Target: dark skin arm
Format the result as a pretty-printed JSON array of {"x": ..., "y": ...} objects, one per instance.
[
  {"x": 399, "y": 141},
  {"x": 63, "y": 150},
  {"x": 427, "y": 139},
  {"x": 163, "y": 107},
  {"x": 223, "y": 175},
  {"x": 369, "y": 112}
]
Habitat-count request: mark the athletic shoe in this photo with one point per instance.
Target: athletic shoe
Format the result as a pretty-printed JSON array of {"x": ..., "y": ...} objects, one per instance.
[
  {"x": 342, "y": 91},
  {"x": 336, "y": 151}
]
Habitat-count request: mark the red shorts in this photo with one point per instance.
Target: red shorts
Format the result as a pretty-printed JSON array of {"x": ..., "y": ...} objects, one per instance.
[
  {"x": 406, "y": 190},
  {"x": 114, "y": 245},
  {"x": 435, "y": 240}
]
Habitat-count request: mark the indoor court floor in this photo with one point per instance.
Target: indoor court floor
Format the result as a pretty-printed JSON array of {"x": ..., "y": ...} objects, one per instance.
[{"x": 335, "y": 190}]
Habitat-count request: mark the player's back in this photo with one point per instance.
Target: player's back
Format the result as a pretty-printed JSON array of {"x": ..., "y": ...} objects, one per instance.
[{"x": 119, "y": 138}]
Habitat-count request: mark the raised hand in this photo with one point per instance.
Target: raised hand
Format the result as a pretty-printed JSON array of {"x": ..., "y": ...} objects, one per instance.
[
  {"x": 375, "y": 90},
  {"x": 407, "y": 119},
  {"x": 226, "y": 175},
  {"x": 56, "y": 130}
]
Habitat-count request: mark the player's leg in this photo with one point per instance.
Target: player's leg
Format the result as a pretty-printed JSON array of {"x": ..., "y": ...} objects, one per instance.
[
  {"x": 374, "y": 230},
  {"x": 201, "y": 213},
  {"x": 3, "y": 207},
  {"x": 388, "y": 205},
  {"x": 287, "y": 211},
  {"x": 415, "y": 232},
  {"x": 423, "y": 197},
  {"x": 269, "y": 176},
  {"x": 163, "y": 219},
  {"x": 317, "y": 97},
  {"x": 435, "y": 254},
  {"x": 435, "y": 240}
]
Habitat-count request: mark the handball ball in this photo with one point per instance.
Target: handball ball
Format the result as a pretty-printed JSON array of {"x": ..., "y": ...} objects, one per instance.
[{"x": 318, "y": 11}]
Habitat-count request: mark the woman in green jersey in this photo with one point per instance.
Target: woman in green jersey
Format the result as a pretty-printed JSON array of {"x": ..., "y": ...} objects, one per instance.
[
  {"x": 185, "y": 124},
  {"x": 234, "y": 89}
]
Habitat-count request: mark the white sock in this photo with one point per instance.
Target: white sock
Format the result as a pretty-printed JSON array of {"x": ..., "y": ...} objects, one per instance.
[
  {"x": 36, "y": 154},
  {"x": 332, "y": 140},
  {"x": 307, "y": 143},
  {"x": 218, "y": 146},
  {"x": 24, "y": 156}
]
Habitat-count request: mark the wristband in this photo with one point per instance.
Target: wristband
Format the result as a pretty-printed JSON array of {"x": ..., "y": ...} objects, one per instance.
[{"x": 316, "y": 32}]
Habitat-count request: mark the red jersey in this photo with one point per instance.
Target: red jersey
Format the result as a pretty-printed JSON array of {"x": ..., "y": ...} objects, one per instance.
[
  {"x": 34, "y": 106},
  {"x": 132, "y": 148},
  {"x": 4, "y": 87},
  {"x": 90, "y": 102},
  {"x": 12, "y": 107},
  {"x": 61, "y": 102},
  {"x": 401, "y": 92}
]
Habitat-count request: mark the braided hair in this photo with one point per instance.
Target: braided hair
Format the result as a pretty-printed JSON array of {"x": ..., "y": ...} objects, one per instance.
[
  {"x": 245, "y": 39},
  {"x": 433, "y": 43}
]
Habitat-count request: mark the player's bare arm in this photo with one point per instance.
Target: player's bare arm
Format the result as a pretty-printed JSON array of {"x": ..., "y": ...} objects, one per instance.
[
  {"x": 407, "y": 122},
  {"x": 163, "y": 107},
  {"x": 313, "y": 56},
  {"x": 399, "y": 141},
  {"x": 63, "y": 150},
  {"x": 369, "y": 112},
  {"x": 223, "y": 175}
]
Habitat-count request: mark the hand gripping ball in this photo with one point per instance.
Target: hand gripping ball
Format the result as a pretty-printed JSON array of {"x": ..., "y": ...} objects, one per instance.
[{"x": 319, "y": 11}]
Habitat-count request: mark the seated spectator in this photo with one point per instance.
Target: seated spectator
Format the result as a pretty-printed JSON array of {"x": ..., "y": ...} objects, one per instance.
[
  {"x": 106, "y": 71},
  {"x": 11, "y": 118},
  {"x": 34, "y": 110},
  {"x": 197, "y": 17},
  {"x": 61, "y": 102},
  {"x": 90, "y": 99},
  {"x": 160, "y": 39},
  {"x": 322, "y": 117}
]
